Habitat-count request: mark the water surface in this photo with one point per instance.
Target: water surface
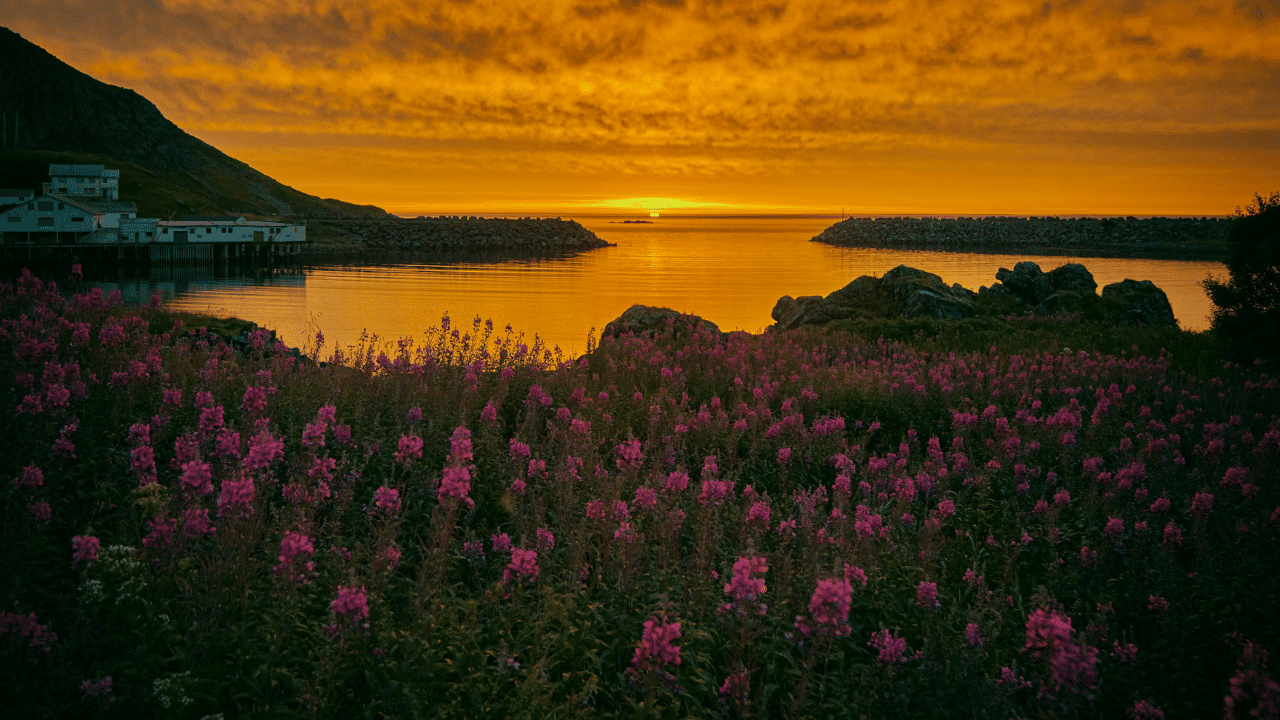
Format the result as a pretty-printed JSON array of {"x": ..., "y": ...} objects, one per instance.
[{"x": 729, "y": 271}]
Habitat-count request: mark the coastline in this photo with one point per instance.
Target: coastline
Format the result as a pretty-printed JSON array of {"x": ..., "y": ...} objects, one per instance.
[{"x": 399, "y": 236}]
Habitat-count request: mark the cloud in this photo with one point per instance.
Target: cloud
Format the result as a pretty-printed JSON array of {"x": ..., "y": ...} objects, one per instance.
[{"x": 700, "y": 84}]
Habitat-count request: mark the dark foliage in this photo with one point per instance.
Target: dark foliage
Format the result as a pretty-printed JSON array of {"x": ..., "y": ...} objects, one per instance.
[{"x": 1247, "y": 306}]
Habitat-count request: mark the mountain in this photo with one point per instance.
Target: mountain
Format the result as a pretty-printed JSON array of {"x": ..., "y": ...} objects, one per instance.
[{"x": 62, "y": 115}]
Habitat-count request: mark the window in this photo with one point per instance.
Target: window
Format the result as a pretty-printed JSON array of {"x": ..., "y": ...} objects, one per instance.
[
  {"x": 46, "y": 205},
  {"x": 208, "y": 231},
  {"x": 61, "y": 206},
  {"x": 45, "y": 222},
  {"x": 77, "y": 219},
  {"x": 164, "y": 231},
  {"x": 62, "y": 190},
  {"x": 15, "y": 218}
]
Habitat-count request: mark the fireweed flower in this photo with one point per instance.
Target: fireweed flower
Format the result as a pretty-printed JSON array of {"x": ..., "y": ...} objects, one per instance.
[
  {"x": 972, "y": 635},
  {"x": 630, "y": 456},
  {"x": 927, "y": 595},
  {"x": 714, "y": 492},
  {"x": 1202, "y": 504},
  {"x": 161, "y": 535},
  {"x": 409, "y": 448},
  {"x": 1071, "y": 666},
  {"x": 736, "y": 687},
  {"x": 746, "y": 584},
  {"x": 501, "y": 542},
  {"x": 524, "y": 564},
  {"x": 195, "y": 522},
  {"x": 656, "y": 649},
  {"x": 546, "y": 541},
  {"x": 197, "y": 477},
  {"x": 31, "y": 476},
  {"x": 295, "y": 548},
  {"x": 758, "y": 515},
  {"x": 1143, "y": 710},
  {"x": 646, "y": 499},
  {"x": 456, "y": 485},
  {"x": 415, "y": 415},
  {"x": 1172, "y": 536},
  {"x": 351, "y": 605},
  {"x": 236, "y": 498},
  {"x": 387, "y": 500},
  {"x": 85, "y": 548},
  {"x": 676, "y": 482},
  {"x": 892, "y": 649},
  {"x": 264, "y": 449},
  {"x": 459, "y": 446},
  {"x": 1115, "y": 526},
  {"x": 829, "y": 607},
  {"x": 313, "y": 435}
]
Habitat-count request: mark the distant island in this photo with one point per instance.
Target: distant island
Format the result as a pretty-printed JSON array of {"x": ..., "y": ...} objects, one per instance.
[
  {"x": 1180, "y": 238},
  {"x": 632, "y": 222}
]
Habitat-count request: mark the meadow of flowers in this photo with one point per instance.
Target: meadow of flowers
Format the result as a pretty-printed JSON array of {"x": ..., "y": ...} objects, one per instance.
[{"x": 791, "y": 524}]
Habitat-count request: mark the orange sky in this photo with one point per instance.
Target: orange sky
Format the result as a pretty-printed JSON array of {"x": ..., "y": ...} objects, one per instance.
[{"x": 893, "y": 106}]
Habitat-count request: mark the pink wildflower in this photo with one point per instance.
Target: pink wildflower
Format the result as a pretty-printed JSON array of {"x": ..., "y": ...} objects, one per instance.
[
  {"x": 927, "y": 595},
  {"x": 892, "y": 649},
  {"x": 524, "y": 563},
  {"x": 677, "y": 481},
  {"x": 313, "y": 435},
  {"x": 829, "y": 606},
  {"x": 195, "y": 522},
  {"x": 1071, "y": 666},
  {"x": 758, "y": 515},
  {"x": 546, "y": 541},
  {"x": 1172, "y": 536},
  {"x": 236, "y": 498},
  {"x": 1157, "y": 603},
  {"x": 387, "y": 500},
  {"x": 736, "y": 687},
  {"x": 1115, "y": 526},
  {"x": 1143, "y": 710},
  {"x": 714, "y": 492},
  {"x": 415, "y": 415},
  {"x": 456, "y": 485},
  {"x": 747, "y": 583},
  {"x": 161, "y": 535},
  {"x": 501, "y": 542},
  {"x": 1202, "y": 504},
  {"x": 31, "y": 476},
  {"x": 264, "y": 449},
  {"x": 101, "y": 688},
  {"x": 350, "y": 604},
  {"x": 85, "y": 548},
  {"x": 645, "y": 499},
  {"x": 972, "y": 635},
  {"x": 629, "y": 455},
  {"x": 197, "y": 477},
  {"x": 409, "y": 448},
  {"x": 292, "y": 547},
  {"x": 656, "y": 649}
]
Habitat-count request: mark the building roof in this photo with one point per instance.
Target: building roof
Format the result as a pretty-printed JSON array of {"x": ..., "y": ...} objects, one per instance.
[
  {"x": 97, "y": 204},
  {"x": 16, "y": 192},
  {"x": 211, "y": 223},
  {"x": 56, "y": 170},
  {"x": 214, "y": 218}
]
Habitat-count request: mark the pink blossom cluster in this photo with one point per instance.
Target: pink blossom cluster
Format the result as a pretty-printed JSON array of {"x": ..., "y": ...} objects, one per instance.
[
  {"x": 351, "y": 604},
  {"x": 746, "y": 586},
  {"x": 656, "y": 649},
  {"x": 523, "y": 565},
  {"x": 1071, "y": 664}
]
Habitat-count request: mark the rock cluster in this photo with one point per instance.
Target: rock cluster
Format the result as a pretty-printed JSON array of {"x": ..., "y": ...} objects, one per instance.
[
  {"x": 462, "y": 234},
  {"x": 1203, "y": 236},
  {"x": 911, "y": 293}
]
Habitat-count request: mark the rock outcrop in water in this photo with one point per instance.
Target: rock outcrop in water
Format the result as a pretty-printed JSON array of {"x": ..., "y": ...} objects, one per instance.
[
  {"x": 651, "y": 321},
  {"x": 456, "y": 234},
  {"x": 907, "y": 292},
  {"x": 1156, "y": 237}
]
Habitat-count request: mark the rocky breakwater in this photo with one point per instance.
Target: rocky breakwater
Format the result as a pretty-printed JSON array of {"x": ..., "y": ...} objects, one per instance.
[
  {"x": 1025, "y": 290},
  {"x": 456, "y": 234},
  {"x": 651, "y": 321},
  {"x": 1157, "y": 237}
]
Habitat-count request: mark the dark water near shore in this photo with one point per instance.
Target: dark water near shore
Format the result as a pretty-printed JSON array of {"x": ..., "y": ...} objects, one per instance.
[{"x": 730, "y": 271}]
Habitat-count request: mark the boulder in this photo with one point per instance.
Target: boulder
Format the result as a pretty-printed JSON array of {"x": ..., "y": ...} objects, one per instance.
[
  {"x": 923, "y": 294},
  {"x": 860, "y": 289},
  {"x": 792, "y": 312},
  {"x": 926, "y": 303},
  {"x": 1068, "y": 302},
  {"x": 1140, "y": 303},
  {"x": 653, "y": 321},
  {"x": 1072, "y": 276},
  {"x": 1021, "y": 280}
]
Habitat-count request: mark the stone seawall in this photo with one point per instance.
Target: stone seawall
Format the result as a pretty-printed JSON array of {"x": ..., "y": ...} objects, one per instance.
[
  {"x": 452, "y": 234},
  {"x": 1155, "y": 237}
]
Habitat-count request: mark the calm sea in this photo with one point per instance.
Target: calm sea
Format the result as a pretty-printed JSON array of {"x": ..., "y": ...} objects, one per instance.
[{"x": 729, "y": 271}]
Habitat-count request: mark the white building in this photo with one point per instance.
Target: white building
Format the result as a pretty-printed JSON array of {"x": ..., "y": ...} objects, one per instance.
[
  {"x": 63, "y": 220},
  {"x": 13, "y": 196},
  {"x": 227, "y": 229},
  {"x": 83, "y": 180}
]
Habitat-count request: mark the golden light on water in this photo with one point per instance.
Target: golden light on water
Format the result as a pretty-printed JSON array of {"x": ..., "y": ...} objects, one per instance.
[{"x": 891, "y": 106}]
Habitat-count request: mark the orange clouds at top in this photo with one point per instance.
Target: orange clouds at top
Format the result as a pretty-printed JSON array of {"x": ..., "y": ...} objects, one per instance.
[{"x": 811, "y": 105}]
